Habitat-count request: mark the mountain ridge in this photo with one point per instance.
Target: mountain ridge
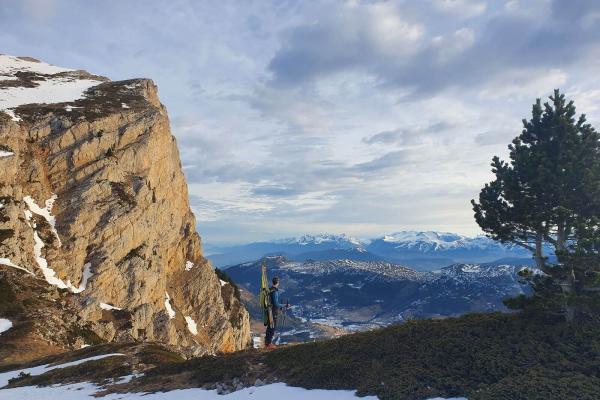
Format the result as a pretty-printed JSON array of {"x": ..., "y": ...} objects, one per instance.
[{"x": 422, "y": 250}]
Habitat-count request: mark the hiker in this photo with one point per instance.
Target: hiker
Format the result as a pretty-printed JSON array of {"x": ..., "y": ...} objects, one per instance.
[{"x": 276, "y": 308}]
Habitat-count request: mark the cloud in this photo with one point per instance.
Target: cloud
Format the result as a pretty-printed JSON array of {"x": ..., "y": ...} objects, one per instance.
[
  {"x": 426, "y": 62},
  {"x": 356, "y": 116},
  {"x": 342, "y": 39},
  {"x": 274, "y": 191},
  {"x": 493, "y": 137},
  {"x": 464, "y": 8},
  {"x": 385, "y": 137},
  {"x": 414, "y": 136},
  {"x": 389, "y": 160}
]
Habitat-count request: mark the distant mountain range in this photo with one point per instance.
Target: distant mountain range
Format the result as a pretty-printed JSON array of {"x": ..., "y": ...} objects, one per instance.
[
  {"x": 357, "y": 295},
  {"x": 420, "y": 250}
]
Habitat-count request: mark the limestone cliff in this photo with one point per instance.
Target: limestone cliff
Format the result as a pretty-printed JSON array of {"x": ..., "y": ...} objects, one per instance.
[{"x": 94, "y": 205}]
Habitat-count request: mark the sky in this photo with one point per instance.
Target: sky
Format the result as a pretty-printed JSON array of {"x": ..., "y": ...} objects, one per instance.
[{"x": 356, "y": 117}]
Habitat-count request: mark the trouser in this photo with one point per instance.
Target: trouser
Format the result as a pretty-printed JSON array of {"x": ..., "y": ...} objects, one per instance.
[{"x": 271, "y": 331}]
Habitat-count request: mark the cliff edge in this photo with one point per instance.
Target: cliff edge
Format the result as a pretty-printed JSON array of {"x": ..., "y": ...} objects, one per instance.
[{"x": 97, "y": 238}]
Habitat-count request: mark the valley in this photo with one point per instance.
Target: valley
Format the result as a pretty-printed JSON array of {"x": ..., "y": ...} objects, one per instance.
[{"x": 360, "y": 295}]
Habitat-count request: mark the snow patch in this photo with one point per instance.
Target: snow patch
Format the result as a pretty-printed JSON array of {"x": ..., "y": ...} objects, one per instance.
[
  {"x": 449, "y": 398},
  {"x": 5, "y": 325},
  {"x": 109, "y": 307},
  {"x": 6, "y": 153},
  {"x": 191, "y": 324},
  {"x": 45, "y": 212},
  {"x": 123, "y": 105},
  {"x": 168, "y": 307},
  {"x": 86, "y": 390},
  {"x": 223, "y": 283},
  {"x": 54, "y": 89},
  {"x": 4, "y": 377},
  {"x": 189, "y": 265},
  {"x": 8, "y": 263},
  {"x": 86, "y": 275},
  {"x": 9, "y": 65},
  {"x": 49, "y": 273}
]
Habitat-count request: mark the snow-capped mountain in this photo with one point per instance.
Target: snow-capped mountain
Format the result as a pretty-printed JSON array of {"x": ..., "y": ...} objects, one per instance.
[
  {"x": 358, "y": 295},
  {"x": 421, "y": 250},
  {"x": 436, "y": 241},
  {"x": 431, "y": 250},
  {"x": 306, "y": 247},
  {"x": 342, "y": 241}
]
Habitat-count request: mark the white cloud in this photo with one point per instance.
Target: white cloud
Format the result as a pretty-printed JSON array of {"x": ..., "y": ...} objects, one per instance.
[
  {"x": 362, "y": 117},
  {"x": 524, "y": 84},
  {"x": 464, "y": 8}
]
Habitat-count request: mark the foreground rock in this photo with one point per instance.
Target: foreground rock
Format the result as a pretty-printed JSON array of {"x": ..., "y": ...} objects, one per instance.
[{"x": 94, "y": 205}]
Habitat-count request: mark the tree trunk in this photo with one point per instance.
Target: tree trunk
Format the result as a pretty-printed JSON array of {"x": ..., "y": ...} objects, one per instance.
[
  {"x": 561, "y": 236},
  {"x": 568, "y": 284},
  {"x": 538, "y": 255}
]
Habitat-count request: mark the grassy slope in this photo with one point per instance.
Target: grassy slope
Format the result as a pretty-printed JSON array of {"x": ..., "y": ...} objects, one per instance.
[{"x": 480, "y": 356}]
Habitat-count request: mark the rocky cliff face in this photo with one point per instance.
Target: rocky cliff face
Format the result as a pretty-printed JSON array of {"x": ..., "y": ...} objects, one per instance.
[{"x": 94, "y": 205}]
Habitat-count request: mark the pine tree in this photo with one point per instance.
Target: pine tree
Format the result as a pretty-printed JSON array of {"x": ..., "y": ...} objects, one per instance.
[{"x": 549, "y": 191}]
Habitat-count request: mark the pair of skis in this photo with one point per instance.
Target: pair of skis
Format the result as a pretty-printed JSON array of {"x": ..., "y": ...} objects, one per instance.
[{"x": 266, "y": 303}]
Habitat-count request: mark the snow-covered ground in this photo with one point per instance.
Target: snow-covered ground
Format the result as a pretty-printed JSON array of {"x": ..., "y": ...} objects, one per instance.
[
  {"x": 86, "y": 390},
  {"x": 5, "y": 376},
  {"x": 5, "y": 325},
  {"x": 65, "y": 87},
  {"x": 274, "y": 391}
]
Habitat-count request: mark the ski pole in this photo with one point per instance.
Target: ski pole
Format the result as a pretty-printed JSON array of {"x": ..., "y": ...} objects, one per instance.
[{"x": 283, "y": 321}]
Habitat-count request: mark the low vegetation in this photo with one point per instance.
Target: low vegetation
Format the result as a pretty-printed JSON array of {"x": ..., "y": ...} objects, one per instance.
[{"x": 479, "y": 356}]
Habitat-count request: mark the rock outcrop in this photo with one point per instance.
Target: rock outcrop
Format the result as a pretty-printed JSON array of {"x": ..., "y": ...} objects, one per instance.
[{"x": 95, "y": 204}]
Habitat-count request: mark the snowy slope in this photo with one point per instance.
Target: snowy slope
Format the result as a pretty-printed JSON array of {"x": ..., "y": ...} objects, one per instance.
[{"x": 26, "y": 81}]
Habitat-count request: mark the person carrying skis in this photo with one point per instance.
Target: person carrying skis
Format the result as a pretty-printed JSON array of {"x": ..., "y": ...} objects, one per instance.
[{"x": 276, "y": 308}]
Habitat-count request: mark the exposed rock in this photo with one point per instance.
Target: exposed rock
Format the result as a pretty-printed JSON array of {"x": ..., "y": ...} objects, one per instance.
[{"x": 94, "y": 192}]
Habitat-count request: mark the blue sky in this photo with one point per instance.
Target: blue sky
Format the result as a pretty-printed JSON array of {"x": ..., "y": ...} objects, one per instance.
[{"x": 329, "y": 116}]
